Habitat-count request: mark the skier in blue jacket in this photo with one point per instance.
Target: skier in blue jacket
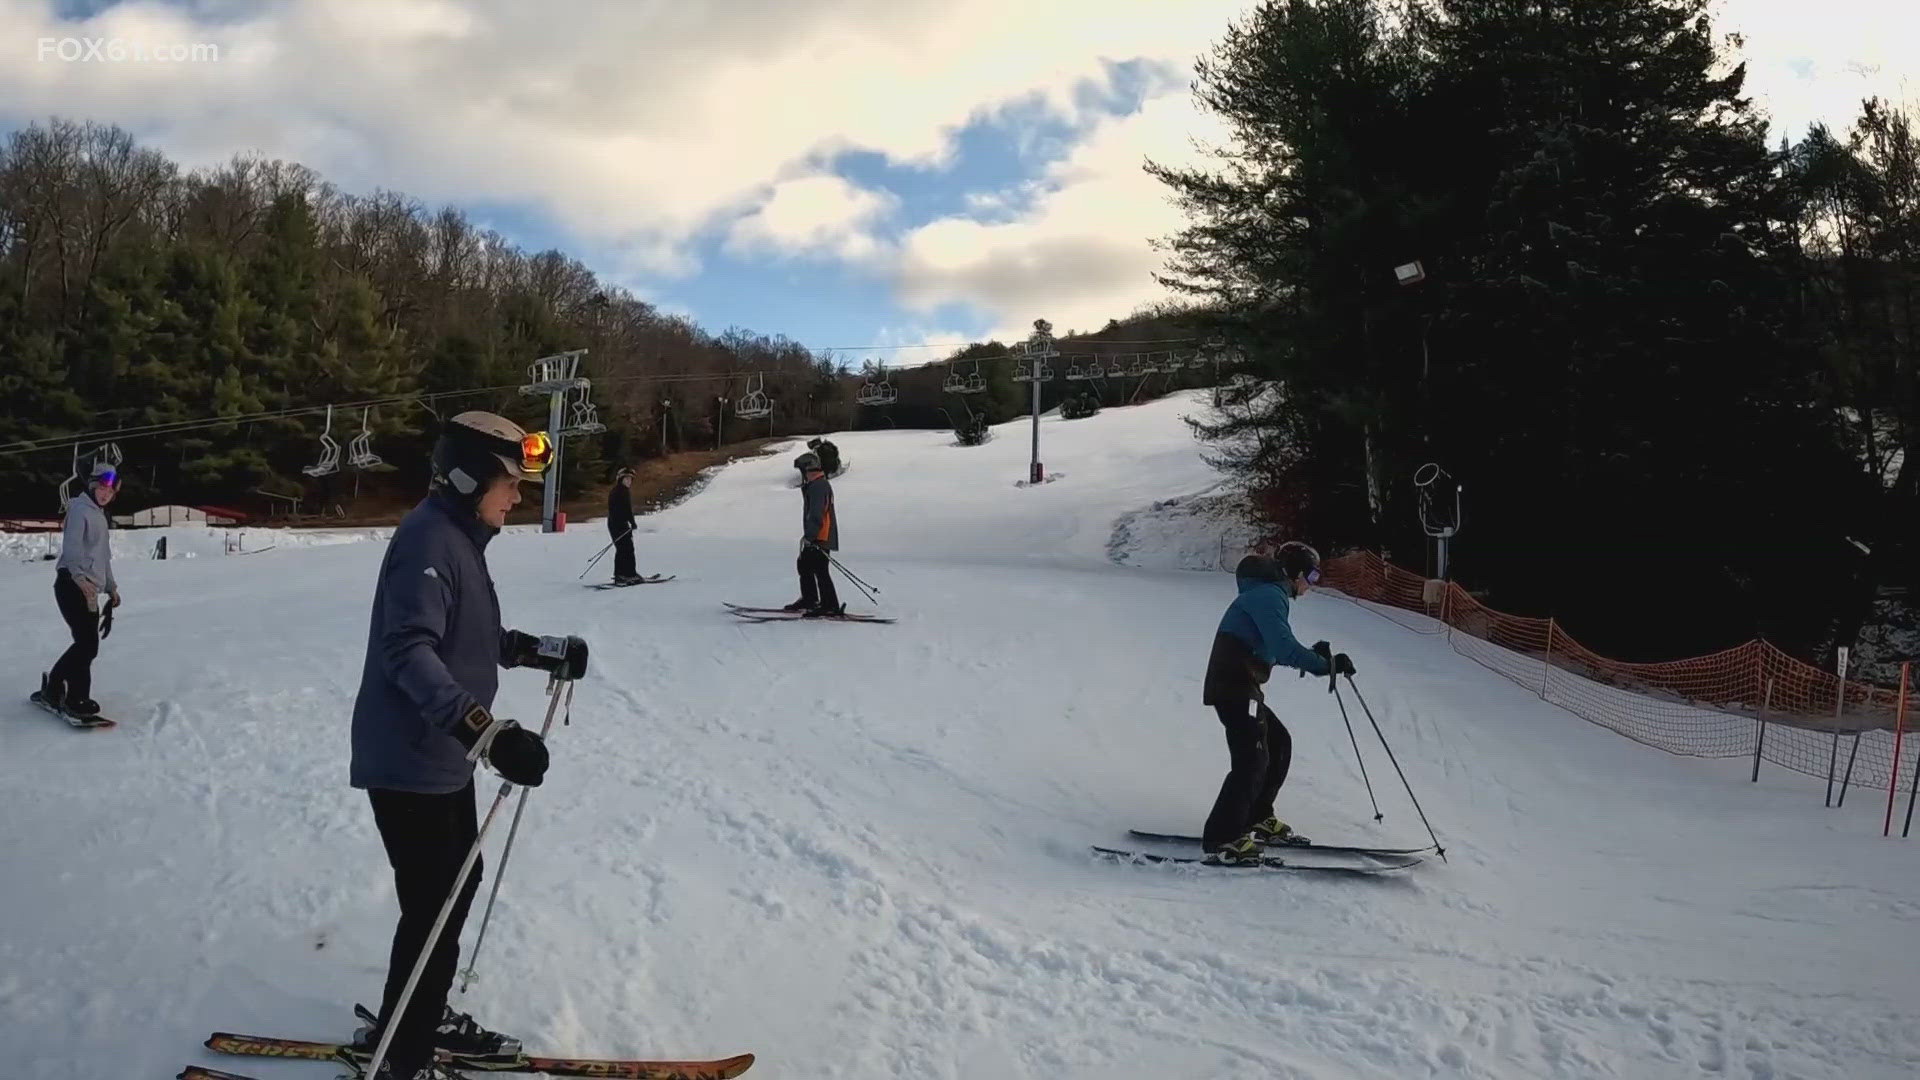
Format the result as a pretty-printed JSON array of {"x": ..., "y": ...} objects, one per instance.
[
  {"x": 1253, "y": 637},
  {"x": 435, "y": 648}
]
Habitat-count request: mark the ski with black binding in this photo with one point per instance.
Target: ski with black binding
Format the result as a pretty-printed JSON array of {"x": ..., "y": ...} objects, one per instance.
[
  {"x": 1331, "y": 849},
  {"x": 652, "y": 579},
  {"x": 1267, "y": 862},
  {"x": 620, "y": 1069},
  {"x": 760, "y": 614}
]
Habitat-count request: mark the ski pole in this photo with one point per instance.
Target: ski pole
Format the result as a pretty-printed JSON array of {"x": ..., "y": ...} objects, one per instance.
[
  {"x": 499, "y": 875},
  {"x": 1344, "y": 718},
  {"x": 865, "y": 588},
  {"x": 1438, "y": 850},
  {"x": 609, "y": 547},
  {"x": 446, "y": 910}
]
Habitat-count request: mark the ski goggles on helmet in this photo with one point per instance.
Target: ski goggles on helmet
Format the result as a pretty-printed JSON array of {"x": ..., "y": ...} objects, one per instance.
[
  {"x": 108, "y": 476},
  {"x": 536, "y": 453}
]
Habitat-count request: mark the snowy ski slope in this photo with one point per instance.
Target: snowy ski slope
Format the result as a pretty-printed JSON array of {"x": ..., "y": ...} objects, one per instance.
[{"x": 861, "y": 851}]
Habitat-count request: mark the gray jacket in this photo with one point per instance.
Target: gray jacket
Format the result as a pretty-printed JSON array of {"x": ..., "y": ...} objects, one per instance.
[
  {"x": 84, "y": 548},
  {"x": 820, "y": 523},
  {"x": 434, "y": 652}
]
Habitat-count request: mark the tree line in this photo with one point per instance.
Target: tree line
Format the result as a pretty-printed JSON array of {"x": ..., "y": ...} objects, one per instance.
[
  {"x": 134, "y": 294},
  {"x": 1672, "y": 361}
]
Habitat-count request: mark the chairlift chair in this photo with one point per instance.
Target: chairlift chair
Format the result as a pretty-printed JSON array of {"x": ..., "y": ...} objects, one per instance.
[
  {"x": 584, "y": 415},
  {"x": 329, "y": 462},
  {"x": 1023, "y": 364},
  {"x": 754, "y": 404},
  {"x": 973, "y": 382},
  {"x": 360, "y": 453}
]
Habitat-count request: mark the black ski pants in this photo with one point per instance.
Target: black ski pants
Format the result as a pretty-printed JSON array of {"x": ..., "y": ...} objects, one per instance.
[
  {"x": 427, "y": 837},
  {"x": 816, "y": 579},
  {"x": 1262, "y": 751},
  {"x": 72, "y": 676},
  {"x": 623, "y": 564}
]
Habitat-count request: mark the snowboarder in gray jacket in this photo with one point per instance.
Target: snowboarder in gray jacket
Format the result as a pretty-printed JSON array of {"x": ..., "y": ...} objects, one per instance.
[
  {"x": 80, "y": 578},
  {"x": 435, "y": 645}
]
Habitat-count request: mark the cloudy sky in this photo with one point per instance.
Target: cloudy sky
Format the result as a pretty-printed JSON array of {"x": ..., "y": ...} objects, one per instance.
[{"x": 847, "y": 172}]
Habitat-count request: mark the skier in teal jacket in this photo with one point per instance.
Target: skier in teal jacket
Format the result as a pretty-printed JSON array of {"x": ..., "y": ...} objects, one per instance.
[{"x": 1253, "y": 637}]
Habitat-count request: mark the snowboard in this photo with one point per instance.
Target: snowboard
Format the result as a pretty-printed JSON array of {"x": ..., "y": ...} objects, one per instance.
[{"x": 84, "y": 723}]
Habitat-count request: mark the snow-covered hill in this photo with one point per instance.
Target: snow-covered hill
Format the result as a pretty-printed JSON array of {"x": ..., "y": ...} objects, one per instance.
[{"x": 861, "y": 851}]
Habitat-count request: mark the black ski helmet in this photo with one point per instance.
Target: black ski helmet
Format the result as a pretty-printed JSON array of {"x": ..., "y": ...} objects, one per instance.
[
  {"x": 625, "y": 472},
  {"x": 1259, "y": 568},
  {"x": 475, "y": 447},
  {"x": 1295, "y": 559},
  {"x": 807, "y": 462}
]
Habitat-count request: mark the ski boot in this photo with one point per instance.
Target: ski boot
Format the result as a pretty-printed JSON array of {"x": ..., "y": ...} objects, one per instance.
[
  {"x": 1276, "y": 833},
  {"x": 81, "y": 709},
  {"x": 467, "y": 1041},
  {"x": 628, "y": 579},
  {"x": 824, "y": 612},
  {"x": 1241, "y": 852},
  {"x": 798, "y": 606},
  {"x": 457, "y": 1036}
]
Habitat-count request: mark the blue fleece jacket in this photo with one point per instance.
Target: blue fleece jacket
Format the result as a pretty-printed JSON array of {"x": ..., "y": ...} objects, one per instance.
[
  {"x": 1258, "y": 617},
  {"x": 435, "y": 648}
]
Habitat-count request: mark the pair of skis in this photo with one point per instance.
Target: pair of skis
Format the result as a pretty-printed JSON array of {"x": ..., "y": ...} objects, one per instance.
[
  {"x": 1320, "y": 858},
  {"x": 651, "y": 579},
  {"x": 774, "y": 614},
  {"x": 83, "y": 723},
  {"x": 618, "y": 1069}
]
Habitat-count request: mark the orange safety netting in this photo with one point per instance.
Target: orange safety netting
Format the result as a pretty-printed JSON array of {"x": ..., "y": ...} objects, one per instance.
[{"x": 1725, "y": 704}]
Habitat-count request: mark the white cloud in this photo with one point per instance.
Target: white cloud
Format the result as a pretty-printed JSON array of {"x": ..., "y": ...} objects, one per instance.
[
  {"x": 634, "y": 125},
  {"x": 640, "y": 126},
  {"x": 1083, "y": 253},
  {"x": 1817, "y": 62},
  {"x": 819, "y": 214}
]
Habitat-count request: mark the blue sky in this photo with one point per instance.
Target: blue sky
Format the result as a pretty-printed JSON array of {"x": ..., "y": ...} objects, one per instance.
[{"x": 919, "y": 171}]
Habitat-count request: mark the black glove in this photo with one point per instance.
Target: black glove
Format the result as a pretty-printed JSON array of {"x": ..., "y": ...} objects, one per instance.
[
  {"x": 519, "y": 756},
  {"x": 1323, "y": 649},
  {"x": 564, "y": 657},
  {"x": 1342, "y": 664}
]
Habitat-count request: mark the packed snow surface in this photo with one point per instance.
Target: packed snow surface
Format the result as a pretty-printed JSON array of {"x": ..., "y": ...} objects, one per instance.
[{"x": 861, "y": 851}]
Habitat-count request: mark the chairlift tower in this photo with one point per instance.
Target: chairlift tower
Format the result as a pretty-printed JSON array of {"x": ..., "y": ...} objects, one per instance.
[
  {"x": 558, "y": 377},
  {"x": 1437, "y": 523},
  {"x": 1036, "y": 351}
]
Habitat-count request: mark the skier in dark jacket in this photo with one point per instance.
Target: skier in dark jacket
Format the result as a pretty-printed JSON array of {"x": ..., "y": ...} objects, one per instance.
[
  {"x": 620, "y": 524},
  {"x": 434, "y": 649},
  {"x": 819, "y": 534},
  {"x": 80, "y": 579},
  {"x": 1253, "y": 637}
]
